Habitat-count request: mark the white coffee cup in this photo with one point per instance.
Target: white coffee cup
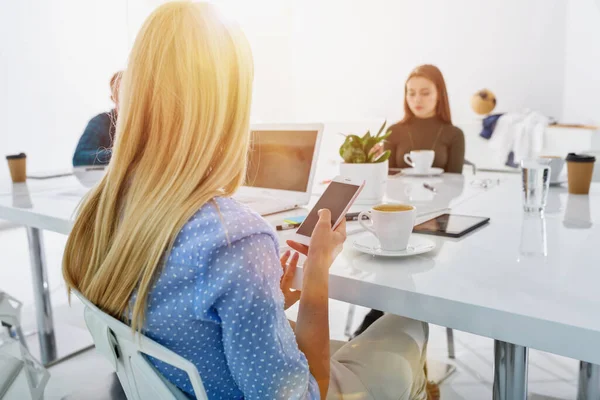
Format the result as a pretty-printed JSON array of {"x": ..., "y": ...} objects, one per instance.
[
  {"x": 420, "y": 160},
  {"x": 556, "y": 166},
  {"x": 392, "y": 224}
]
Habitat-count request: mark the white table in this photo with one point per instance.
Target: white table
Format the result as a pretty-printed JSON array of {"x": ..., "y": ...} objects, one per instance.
[
  {"x": 483, "y": 284},
  {"x": 45, "y": 205},
  {"x": 480, "y": 283}
]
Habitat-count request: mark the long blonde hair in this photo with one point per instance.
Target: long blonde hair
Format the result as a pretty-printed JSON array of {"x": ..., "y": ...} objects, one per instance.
[{"x": 182, "y": 138}]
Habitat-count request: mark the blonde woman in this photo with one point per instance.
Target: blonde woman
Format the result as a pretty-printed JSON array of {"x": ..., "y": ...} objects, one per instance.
[{"x": 161, "y": 244}]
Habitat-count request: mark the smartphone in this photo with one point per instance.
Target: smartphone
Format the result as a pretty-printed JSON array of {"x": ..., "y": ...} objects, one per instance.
[{"x": 337, "y": 198}]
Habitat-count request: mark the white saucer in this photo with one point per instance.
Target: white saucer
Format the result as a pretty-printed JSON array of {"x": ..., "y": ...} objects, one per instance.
[
  {"x": 413, "y": 172},
  {"x": 558, "y": 183},
  {"x": 416, "y": 245}
]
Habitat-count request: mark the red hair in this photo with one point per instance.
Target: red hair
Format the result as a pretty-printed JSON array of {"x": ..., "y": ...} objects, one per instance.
[
  {"x": 432, "y": 73},
  {"x": 115, "y": 82}
]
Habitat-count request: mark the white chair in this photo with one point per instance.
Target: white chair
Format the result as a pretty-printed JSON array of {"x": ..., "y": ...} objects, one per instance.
[
  {"x": 10, "y": 315},
  {"x": 125, "y": 351},
  {"x": 21, "y": 377}
]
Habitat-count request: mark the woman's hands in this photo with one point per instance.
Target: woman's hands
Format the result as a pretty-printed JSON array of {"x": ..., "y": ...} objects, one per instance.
[
  {"x": 312, "y": 326},
  {"x": 325, "y": 243},
  {"x": 289, "y": 270}
]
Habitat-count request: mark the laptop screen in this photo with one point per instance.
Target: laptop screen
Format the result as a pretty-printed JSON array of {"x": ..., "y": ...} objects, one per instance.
[{"x": 281, "y": 159}]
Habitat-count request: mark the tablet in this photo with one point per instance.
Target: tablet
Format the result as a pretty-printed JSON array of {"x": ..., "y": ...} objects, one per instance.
[{"x": 450, "y": 225}]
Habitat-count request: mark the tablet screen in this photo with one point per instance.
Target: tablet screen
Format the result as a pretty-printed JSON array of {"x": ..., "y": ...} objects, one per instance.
[{"x": 450, "y": 225}]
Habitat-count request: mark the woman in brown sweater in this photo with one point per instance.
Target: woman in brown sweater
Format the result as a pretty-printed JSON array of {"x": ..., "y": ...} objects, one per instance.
[{"x": 427, "y": 124}]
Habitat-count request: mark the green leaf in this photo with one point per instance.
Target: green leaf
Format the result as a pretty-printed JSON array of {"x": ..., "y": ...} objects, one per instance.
[
  {"x": 359, "y": 157},
  {"x": 343, "y": 146},
  {"x": 383, "y": 157},
  {"x": 352, "y": 151},
  {"x": 369, "y": 158},
  {"x": 382, "y": 128},
  {"x": 355, "y": 140},
  {"x": 347, "y": 153},
  {"x": 369, "y": 146},
  {"x": 387, "y": 135}
]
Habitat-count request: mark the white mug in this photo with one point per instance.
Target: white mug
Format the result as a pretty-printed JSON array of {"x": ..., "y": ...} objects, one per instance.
[
  {"x": 556, "y": 166},
  {"x": 392, "y": 224},
  {"x": 420, "y": 160}
]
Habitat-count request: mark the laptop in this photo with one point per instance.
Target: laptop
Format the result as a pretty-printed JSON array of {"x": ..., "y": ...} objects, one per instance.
[{"x": 281, "y": 167}]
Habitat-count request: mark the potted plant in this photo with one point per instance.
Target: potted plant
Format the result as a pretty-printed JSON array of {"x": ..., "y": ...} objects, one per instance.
[{"x": 364, "y": 159}]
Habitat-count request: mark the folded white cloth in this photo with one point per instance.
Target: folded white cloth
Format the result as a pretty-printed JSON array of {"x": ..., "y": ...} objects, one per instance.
[{"x": 521, "y": 133}]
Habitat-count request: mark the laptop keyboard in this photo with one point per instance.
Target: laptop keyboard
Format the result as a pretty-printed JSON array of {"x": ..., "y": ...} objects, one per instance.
[{"x": 248, "y": 199}]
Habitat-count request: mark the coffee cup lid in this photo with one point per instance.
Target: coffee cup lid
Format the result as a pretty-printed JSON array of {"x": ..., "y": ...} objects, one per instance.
[
  {"x": 582, "y": 158},
  {"x": 16, "y": 156}
]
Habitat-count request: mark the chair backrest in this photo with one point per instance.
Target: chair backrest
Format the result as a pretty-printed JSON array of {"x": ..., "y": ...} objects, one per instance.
[
  {"x": 21, "y": 377},
  {"x": 125, "y": 351},
  {"x": 467, "y": 162},
  {"x": 10, "y": 309}
]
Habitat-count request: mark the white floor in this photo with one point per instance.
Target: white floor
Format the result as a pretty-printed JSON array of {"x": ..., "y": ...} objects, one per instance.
[{"x": 550, "y": 376}]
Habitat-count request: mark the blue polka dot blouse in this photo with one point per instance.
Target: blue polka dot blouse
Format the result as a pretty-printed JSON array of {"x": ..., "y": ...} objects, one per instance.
[{"x": 217, "y": 302}]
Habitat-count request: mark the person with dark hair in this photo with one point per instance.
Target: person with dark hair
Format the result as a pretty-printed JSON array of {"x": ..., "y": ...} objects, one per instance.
[{"x": 94, "y": 147}]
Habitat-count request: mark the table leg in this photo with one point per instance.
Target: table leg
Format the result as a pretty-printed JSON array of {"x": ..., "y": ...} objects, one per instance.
[
  {"x": 349, "y": 319},
  {"x": 55, "y": 343},
  {"x": 589, "y": 381},
  {"x": 41, "y": 292},
  {"x": 510, "y": 371},
  {"x": 450, "y": 342}
]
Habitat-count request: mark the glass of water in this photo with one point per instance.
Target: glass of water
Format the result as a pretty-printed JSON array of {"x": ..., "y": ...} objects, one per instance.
[{"x": 536, "y": 182}]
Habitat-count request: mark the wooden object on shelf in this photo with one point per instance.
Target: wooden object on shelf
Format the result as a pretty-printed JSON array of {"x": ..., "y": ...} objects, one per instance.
[{"x": 575, "y": 126}]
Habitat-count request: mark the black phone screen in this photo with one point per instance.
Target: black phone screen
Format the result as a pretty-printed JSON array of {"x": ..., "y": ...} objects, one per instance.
[{"x": 335, "y": 198}]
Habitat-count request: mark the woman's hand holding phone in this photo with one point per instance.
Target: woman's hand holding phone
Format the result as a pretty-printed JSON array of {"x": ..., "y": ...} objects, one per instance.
[
  {"x": 325, "y": 243},
  {"x": 312, "y": 326}
]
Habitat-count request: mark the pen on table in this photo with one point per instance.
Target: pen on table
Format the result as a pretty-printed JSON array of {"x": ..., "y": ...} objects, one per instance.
[
  {"x": 285, "y": 227},
  {"x": 429, "y": 187}
]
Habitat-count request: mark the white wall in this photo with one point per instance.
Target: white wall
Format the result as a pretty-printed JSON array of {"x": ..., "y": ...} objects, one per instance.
[
  {"x": 333, "y": 60},
  {"x": 351, "y": 57},
  {"x": 582, "y": 70},
  {"x": 267, "y": 25},
  {"x": 56, "y": 59}
]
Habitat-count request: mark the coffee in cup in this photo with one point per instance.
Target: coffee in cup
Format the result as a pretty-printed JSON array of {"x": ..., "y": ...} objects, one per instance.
[
  {"x": 420, "y": 160},
  {"x": 556, "y": 165},
  {"x": 392, "y": 224},
  {"x": 580, "y": 168},
  {"x": 17, "y": 164}
]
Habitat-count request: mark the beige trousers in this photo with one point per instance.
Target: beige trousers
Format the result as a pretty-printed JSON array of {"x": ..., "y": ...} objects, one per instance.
[{"x": 384, "y": 362}]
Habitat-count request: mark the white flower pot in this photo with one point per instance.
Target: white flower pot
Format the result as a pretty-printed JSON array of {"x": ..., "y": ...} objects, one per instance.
[{"x": 375, "y": 177}]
